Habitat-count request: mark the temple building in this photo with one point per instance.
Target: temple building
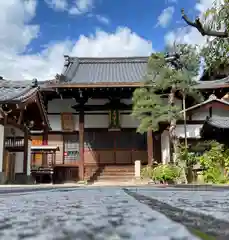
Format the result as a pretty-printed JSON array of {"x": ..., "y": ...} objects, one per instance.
[
  {"x": 82, "y": 125},
  {"x": 89, "y": 109}
]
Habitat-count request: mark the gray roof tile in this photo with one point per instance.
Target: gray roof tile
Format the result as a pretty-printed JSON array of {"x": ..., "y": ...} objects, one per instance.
[
  {"x": 105, "y": 70},
  {"x": 218, "y": 122},
  {"x": 16, "y": 90}
]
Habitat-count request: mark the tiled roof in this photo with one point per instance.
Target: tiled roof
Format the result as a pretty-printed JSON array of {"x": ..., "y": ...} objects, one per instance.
[
  {"x": 105, "y": 70},
  {"x": 213, "y": 84},
  {"x": 219, "y": 122},
  {"x": 16, "y": 90}
]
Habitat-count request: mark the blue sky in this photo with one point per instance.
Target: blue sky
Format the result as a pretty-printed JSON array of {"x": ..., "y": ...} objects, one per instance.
[
  {"x": 141, "y": 16},
  {"x": 35, "y": 34}
]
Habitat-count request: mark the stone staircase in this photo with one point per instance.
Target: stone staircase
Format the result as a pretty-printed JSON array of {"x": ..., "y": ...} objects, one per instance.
[{"x": 116, "y": 174}]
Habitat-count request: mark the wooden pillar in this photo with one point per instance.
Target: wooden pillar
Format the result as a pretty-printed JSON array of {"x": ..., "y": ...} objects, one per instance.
[
  {"x": 3, "y": 162},
  {"x": 150, "y": 147},
  {"x": 26, "y": 141},
  {"x": 81, "y": 144},
  {"x": 45, "y": 142}
]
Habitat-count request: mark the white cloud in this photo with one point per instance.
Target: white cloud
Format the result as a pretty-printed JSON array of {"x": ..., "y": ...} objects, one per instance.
[
  {"x": 77, "y": 7},
  {"x": 58, "y": 5},
  {"x": 15, "y": 16},
  {"x": 81, "y": 6},
  {"x": 165, "y": 17},
  {"x": 190, "y": 35},
  {"x": 102, "y": 19}
]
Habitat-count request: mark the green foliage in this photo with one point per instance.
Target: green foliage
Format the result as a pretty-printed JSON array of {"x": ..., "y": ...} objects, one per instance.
[
  {"x": 166, "y": 173},
  {"x": 147, "y": 172},
  {"x": 162, "y": 173},
  {"x": 215, "y": 52},
  {"x": 185, "y": 156},
  {"x": 215, "y": 163},
  {"x": 149, "y": 103}
]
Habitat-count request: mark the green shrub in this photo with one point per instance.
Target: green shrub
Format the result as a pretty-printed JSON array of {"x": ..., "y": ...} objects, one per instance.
[
  {"x": 147, "y": 172},
  {"x": 215, "y": 163},
  {"x": 166, "y": 173}
]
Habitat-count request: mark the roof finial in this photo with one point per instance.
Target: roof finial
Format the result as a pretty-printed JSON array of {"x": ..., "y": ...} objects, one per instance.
[
  {"x": 212, "y": 97},
  {"x": 34, "y": 82}
]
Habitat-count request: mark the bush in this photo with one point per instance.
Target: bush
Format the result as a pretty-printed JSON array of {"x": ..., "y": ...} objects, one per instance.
[
  {"x": 215, "y": 163},
  {"x": 162, "y": 173},
  {"x": 147, "y": 172},
  {"x": 166, "y": 173}
]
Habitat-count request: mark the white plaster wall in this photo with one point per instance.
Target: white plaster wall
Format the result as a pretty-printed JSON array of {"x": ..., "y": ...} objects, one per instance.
[
  {"x": 55, "y": 122},
  {"x": 220, "y": 113},
  {"x": 200, "y": 114},
  {"x": 97, "y": 101},
  {"x": 165, "y": 147},
  {"x": 128, "y": 121},
  {"x": 10, "y": 129},
  {"x": 192, "y": 131},
  {"x": 19, "y": 162},
  {"x": 127, "y": 100},
  {"x": 96, "y": 121},
  {"x": 61, "y": 105},
  {"x": 29, "y": 158},
  {"x": 1, "y": 146}
]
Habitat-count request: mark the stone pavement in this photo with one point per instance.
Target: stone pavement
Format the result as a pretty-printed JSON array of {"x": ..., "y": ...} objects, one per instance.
[
  {"x": 85, "y": 214},
  {"x": 101, "y": 213}
]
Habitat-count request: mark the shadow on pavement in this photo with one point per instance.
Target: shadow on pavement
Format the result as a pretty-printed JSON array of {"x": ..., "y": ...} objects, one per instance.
[{"x": 195, "y": 222}]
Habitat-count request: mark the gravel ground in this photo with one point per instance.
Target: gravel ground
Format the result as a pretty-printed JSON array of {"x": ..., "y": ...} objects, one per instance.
[
  {"x": 92, "y": 213},
  {"x": 204, "y": 210}
]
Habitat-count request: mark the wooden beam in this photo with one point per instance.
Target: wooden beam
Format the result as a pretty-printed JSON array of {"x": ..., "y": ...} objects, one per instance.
[
  {"x": 81, "y": 144},
  {"x": 150, "y": 147},
  {"x": 25, "y": 159},
  {"x": 19, "y": 121}
]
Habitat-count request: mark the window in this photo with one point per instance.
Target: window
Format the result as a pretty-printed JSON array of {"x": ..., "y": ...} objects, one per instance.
[{"x": 71, "y": 147}]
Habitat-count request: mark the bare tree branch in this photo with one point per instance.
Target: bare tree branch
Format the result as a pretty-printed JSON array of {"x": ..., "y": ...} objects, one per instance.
[{"x": 199, "y": 26}]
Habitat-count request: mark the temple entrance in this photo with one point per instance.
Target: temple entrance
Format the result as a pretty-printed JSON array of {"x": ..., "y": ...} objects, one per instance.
[{"x": 115, "y": 147}]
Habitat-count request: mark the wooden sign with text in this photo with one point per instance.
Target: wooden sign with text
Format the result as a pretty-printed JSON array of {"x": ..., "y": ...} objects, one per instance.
[{"x": 67, "y": 121}]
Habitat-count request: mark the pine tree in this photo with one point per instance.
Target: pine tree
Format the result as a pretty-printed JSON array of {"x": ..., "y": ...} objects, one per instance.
[{"x": 166, "y": 73}]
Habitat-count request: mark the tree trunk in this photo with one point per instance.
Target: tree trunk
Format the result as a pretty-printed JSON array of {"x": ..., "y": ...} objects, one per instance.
[
  {"x": 173, "y": 138},
  {"x": 172, "y": 127}
]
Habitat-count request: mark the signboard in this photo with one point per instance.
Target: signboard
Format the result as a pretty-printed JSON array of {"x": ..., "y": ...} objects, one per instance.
[
  {"x": 37, "y": 141},
  {"x": 114, "y": 119},
  {"x": 67, "y": 121}
]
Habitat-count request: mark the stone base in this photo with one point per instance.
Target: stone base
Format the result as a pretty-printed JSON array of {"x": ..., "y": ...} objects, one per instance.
[{"x": 21, "y": 178}]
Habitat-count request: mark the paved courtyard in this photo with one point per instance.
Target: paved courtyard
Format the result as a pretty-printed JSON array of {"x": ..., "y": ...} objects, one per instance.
[{"x": 111, "y": 213}]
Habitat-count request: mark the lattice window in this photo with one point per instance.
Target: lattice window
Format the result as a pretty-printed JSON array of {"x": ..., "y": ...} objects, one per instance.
[{"x": 71, "y": 147}]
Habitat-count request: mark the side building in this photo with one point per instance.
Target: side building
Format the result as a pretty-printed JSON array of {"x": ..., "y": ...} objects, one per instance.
[{"x": 21, "y": 109}]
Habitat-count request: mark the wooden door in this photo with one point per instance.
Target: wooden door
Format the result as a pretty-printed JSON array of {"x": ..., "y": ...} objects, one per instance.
[
  {"x": 99, "y": 148},
  {"x": 130, "y": 146},
  {"x": 12, "y": 157},
  {"x": 9, "y": 166}
]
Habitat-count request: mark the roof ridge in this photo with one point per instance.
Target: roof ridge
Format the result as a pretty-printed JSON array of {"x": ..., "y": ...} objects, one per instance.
[{"x": 108, "y": 59}]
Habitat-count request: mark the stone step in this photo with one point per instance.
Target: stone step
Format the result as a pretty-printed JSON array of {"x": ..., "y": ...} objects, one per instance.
[
  {"x": 114, "y": 177},
  {"x": 118, "y": 173},
  {"x": 118, "y": 169}
]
